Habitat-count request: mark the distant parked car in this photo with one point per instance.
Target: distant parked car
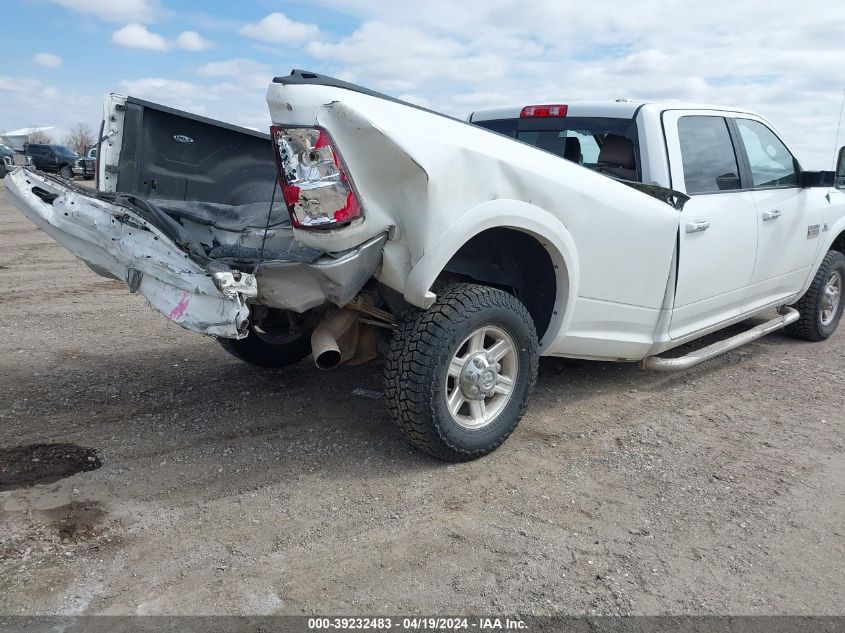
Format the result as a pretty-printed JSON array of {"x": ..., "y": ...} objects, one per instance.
[
  {"x": 86, "y": 166},
  {"x": 56, "y": 159},
  {"x": 9, "y": 159}
]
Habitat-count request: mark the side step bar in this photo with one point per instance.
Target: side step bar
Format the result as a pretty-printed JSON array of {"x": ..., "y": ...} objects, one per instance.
[{"x": 656, "y": 363}]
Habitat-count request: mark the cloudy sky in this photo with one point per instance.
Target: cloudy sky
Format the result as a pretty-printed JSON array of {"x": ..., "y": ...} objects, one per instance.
[{"x": 785, "y": 60}]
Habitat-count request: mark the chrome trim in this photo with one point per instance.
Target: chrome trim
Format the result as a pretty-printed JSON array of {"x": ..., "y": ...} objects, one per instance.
[
  {"x": 656, "y": 363},
  {"x": 481, "y": 377},
  {"x": 831, "y": 295}
]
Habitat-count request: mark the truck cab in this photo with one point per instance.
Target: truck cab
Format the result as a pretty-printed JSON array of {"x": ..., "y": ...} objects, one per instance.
[{"x": 748, "y": 234}]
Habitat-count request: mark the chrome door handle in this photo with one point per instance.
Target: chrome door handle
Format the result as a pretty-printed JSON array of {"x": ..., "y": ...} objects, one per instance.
[
  {"x": 774, "y": 214},
  {"x": 698, "y": 225}
]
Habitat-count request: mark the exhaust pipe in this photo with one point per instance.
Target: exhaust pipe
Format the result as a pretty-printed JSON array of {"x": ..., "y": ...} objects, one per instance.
[{"x": 335, "y": 339}]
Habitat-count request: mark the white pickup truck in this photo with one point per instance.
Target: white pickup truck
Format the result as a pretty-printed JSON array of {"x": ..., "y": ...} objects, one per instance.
[{"x": 460, "y": 251}]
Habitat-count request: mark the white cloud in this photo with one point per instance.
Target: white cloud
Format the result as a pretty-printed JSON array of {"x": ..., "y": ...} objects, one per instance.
[
  {"x": 225, "y": 101},
  {"x": 512, "y": 52},
  {"x": 29, "y": 102},
  {"x": 47, "y": 59},
  {"x": 280, "y": 29},
  {"x": 192, "y": 41},
  {"x": 138, "y": 36},
  {"x": 114, "y": 10},
  {"x": 165, "y": 90},
  {"x": 248, "y": 73}
]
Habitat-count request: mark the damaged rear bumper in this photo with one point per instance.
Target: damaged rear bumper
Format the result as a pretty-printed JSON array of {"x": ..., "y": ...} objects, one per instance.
[
  {"x": 207, "y": 296},
  {"x": 117, "y": 243}
]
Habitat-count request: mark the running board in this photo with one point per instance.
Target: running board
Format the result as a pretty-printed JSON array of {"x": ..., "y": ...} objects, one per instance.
[{"x": 657, "y": 363}]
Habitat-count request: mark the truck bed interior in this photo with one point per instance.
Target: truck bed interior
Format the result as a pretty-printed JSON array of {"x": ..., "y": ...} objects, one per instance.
[{"x": 214, "y": 179}]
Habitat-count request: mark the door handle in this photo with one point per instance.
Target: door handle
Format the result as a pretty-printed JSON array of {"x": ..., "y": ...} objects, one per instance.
[
  {"x": 697, "y": 226},
  {"x": 774, "y": 214}
]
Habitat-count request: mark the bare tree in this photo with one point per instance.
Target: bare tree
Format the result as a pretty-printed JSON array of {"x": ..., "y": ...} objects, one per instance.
[
  {"x": 80, "y": 138},
  {"x": 39, "y": 136}
]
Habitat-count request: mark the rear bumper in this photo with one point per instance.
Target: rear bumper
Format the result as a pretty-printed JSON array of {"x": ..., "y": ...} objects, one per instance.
[
  {"x": 119, "y": 243},
  {"x": 335, "y": 277}
]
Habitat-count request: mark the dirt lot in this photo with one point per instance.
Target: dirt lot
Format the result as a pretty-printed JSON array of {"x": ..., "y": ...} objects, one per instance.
[{"x": 227, "y": 489}]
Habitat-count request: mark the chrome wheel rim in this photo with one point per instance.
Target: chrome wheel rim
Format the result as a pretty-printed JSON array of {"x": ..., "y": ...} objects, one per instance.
[
  {"x": 831, "y": 295},
  {"x": 481, "y": 376}
]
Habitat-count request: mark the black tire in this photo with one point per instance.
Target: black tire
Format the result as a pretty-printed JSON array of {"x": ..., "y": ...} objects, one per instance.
[
  {"x": 418, "y": 359},
  {"x": 272, "y": 354},
  {"x": 812, "y": 326},
  {"x": 66, "y": 172}
]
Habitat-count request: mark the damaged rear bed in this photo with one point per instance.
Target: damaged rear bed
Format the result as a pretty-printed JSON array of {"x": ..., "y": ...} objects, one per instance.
[
  {"x": 203, "y": 287},
  {"x": 186, "y": 215}
]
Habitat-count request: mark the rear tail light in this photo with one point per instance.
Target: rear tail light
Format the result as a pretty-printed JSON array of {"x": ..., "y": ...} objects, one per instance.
[
  {"x": 537, "y": 111},
  {"x": 315, "y": 185}
]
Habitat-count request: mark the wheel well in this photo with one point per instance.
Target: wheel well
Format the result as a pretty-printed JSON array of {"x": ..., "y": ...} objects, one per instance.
[
  {"x": 513, "y": 261},
  {"x": 839, "y": 243}
]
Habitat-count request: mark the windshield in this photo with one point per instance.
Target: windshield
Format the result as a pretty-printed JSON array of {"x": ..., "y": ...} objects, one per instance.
[
  {"x": 65, "y": 151},
  {"x": 5, "y": 149},
  {"x": 599, "y": 143}
]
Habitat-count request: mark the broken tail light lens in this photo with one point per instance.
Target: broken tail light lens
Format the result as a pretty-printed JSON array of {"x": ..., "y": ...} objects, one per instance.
[{"x": 315, "y": 185}]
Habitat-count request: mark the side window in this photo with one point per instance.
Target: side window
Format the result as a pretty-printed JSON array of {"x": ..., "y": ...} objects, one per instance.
[
  {"x": 707, "y": 154},
  {"x": 771, "y": 163}
]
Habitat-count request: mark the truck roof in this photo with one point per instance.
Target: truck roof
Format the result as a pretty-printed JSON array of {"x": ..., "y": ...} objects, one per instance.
[{"x": 623, "y": 108}]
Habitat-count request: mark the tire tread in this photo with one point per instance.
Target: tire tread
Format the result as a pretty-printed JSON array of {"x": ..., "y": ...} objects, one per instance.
[
  {"x": 413, "y": 353},
  {"x": 807, "y": 326}
]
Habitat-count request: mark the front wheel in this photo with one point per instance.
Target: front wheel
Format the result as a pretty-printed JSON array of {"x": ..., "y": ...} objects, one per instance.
[
  {"x": 822, "y": 304},
  {"x": 66, "y": 172},
  {"x": 458, "y": 375}
]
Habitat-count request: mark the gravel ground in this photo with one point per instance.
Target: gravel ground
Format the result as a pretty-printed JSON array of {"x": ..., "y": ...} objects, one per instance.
[{"x": 222, "y": 488}]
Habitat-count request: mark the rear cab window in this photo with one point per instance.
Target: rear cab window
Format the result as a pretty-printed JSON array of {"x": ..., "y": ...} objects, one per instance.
[{"x": 604, "y": 144}]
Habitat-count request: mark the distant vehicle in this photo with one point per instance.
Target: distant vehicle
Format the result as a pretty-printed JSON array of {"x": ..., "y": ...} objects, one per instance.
[
  {"x": 56, "y": 159},
  {"x": 9, "y": 159},
  {"x": 86, "y": 166}
]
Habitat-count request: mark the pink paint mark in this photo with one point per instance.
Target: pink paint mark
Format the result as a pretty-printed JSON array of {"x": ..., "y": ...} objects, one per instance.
[{"x": 179, "y": 310}]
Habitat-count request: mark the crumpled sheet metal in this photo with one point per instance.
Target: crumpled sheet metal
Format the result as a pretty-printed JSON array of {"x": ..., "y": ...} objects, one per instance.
[{"x": 114, "y": 242}]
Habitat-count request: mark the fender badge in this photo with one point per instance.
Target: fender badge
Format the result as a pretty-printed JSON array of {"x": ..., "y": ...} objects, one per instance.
[
  {"x": 813, "y": 230},
  {"x": 181, "y": 138}
]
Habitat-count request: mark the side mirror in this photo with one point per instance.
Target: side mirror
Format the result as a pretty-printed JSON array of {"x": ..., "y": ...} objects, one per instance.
[
  {"x": 815, "y": 179},
  {"x": 839, "y": 180}
]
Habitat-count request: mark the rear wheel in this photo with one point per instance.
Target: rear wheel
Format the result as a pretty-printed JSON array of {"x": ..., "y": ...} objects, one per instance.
[
  {"x": 273, "y": 341},
  {"x": 458, "y": 375},
  {"x": 822, "y": 304}
]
